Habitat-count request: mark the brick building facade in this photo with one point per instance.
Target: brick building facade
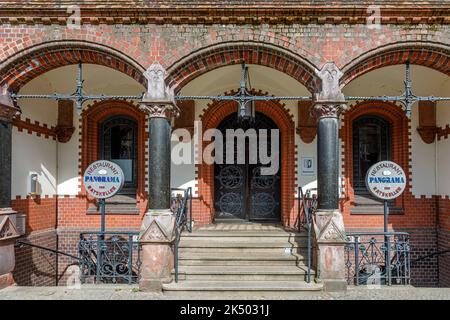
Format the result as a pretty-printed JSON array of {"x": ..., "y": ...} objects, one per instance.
[{"x": 201, "y": 46}]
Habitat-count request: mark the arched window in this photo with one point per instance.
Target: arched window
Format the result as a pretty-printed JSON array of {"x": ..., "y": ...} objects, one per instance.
[
  {"x": 118, "y": 143},
  {"x": 371, "y": 143}
]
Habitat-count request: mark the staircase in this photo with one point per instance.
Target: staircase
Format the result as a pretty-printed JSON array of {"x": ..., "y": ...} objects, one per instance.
[{"x": 242, "y": 258}]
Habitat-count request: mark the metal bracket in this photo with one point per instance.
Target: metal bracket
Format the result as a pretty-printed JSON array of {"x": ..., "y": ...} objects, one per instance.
[{"x": 242, "y": 97}]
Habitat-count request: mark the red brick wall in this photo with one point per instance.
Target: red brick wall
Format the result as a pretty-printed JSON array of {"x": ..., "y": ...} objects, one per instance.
[
  {"x": 35, "y": 267},
  {"x": 444, "y": 257},
  {"x": 196, "y": 49},
  {"x": 40, "y": 212}
]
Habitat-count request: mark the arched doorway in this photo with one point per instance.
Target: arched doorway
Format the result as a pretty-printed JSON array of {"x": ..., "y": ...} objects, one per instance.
[
  {"x": 118, "y": 143},
  {"x": 241, "y": 191},
  {"x": 371, "y": 144}
]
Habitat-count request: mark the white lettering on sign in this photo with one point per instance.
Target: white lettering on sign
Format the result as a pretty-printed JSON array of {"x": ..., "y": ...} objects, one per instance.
[
  {"x": 103, "y": 179},
  {"x": 386, "y": 180}
]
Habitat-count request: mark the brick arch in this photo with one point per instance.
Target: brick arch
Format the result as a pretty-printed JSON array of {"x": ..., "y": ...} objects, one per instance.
[
  {"x": 229, "y": 53},
  {"x": 91, "y": 118},
  {"x": 212, "y": 117},
  {"x": 28, "y": 64},
  {"x": 396, "y": 117},
  {"x": 436, "y": 57}
]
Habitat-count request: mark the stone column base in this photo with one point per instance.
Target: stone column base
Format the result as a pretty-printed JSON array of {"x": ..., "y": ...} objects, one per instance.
[
  {"x": 157, "y": 236},
  {"x": 330, "y": 238},
  {"x": 7, "y": 280}
]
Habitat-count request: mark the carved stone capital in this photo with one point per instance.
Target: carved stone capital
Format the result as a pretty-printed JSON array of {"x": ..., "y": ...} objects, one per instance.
[
  {"x": 168, "y": 111},
  {"x": 330, "y": 76},
  {"x": 328, "y": 109},
  {"x": 64, "y": 133}
]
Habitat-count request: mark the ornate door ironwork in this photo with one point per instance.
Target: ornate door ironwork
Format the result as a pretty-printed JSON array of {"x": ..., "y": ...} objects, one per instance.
[{"x": 240, "y": 190}]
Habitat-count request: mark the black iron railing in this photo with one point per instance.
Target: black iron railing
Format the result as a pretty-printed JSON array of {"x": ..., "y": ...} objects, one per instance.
[
  {"x": 381, "y": 258},
  {"x": 182, "y": 206},
  {"x": 110, "y": 257},
  {"x": 307, "y": 205}
]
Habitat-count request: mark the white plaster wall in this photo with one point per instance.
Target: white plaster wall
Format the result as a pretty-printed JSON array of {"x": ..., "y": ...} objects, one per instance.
[
  {"x": 61, "y": 160},
  {"x": 423, "y": 161},
  {"x": 425, "y": 81},
  {"x": 68, "y": 163},
  {"x": 33, "y": 154},
  {"x": 182, "y": 173},
  {"x": 443, "y": 150}
]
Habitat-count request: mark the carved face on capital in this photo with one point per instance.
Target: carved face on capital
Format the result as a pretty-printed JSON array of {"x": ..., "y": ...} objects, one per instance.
[
  {"x": 330, "y": 75},
  {"x": 155, "y": 75}
]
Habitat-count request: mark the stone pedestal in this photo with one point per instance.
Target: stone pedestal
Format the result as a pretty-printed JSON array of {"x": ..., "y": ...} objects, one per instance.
[
  {"x": 156, "y": 237},
  {"x": 158, "y": 227},
  {"x": 328, "y": 225},
  {"x": 330, "y": 241},
  {"x": 8, "y": 229}
]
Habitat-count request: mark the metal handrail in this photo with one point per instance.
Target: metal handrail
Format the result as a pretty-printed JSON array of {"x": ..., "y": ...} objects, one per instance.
[
  {"x": 308, "y": 211},
  {"x": 20, "y": 244},
  {"x": 182, "y": 221}
]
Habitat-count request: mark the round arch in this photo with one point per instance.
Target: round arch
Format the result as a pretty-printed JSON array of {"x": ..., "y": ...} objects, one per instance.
[
  {"x": 28, "y": 64},
  {"x": 435, "y": 56},
  {"x": 399, "y": 123},
  {"x": 229, "y": 53},
  {"x": 213, "y": 116},
  {"x": 92, "y": 117}
]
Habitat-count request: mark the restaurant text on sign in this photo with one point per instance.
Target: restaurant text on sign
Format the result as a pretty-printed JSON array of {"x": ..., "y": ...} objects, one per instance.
[
  {"x": 103, "y": 179},
  {"x": 386, "y": 180}
]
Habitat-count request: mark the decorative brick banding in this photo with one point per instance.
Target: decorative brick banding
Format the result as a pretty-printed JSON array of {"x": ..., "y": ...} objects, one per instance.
[
  {"x": 35, "y": 127},
  {"x": 92, "y": 116},
  {"x": 227, "y": 54},
  {"x": 419, "y": 54},
  {"x": 29, "y": 64}
]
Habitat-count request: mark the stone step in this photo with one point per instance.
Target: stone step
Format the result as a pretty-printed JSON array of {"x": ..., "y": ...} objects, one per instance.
[
  {"x": 244, "y": 236},
  {"x": 241, "y": 286},
  {"x": 243, "y": 273},
  {"x": 232, "y": 259},
  {"x": 241, "y": 243},
  {"x": 242, "y": 233},
  {"x": 243, "y": 250}
]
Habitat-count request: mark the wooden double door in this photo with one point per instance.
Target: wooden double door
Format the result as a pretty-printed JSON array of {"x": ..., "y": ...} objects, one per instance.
[{"x": 240, "y": 190}]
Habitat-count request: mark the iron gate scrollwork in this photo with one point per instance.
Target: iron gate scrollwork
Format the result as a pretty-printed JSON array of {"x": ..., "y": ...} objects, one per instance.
[{"x": 112, "y": 257}]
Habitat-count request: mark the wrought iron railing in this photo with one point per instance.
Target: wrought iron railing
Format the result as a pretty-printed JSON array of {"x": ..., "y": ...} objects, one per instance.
[
  {"x": 182, "y": 206},
  {"x": 381, "y": 258},
  {"x": 307, "y": 205},
  {"x": 110, "y": 257}
]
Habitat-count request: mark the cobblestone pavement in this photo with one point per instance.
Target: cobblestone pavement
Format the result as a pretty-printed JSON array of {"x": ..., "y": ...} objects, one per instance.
[{"x": 115, "y": 292}]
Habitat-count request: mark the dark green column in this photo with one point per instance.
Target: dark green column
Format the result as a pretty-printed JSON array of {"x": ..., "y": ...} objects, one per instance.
[
  {"x": 328, "y": 163},
  {"x": 5, "y": 163},
  {"x": 328, "y": 154},
  {"x": 159, "y": 163},
  {"x": 7, "y": 112}
]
